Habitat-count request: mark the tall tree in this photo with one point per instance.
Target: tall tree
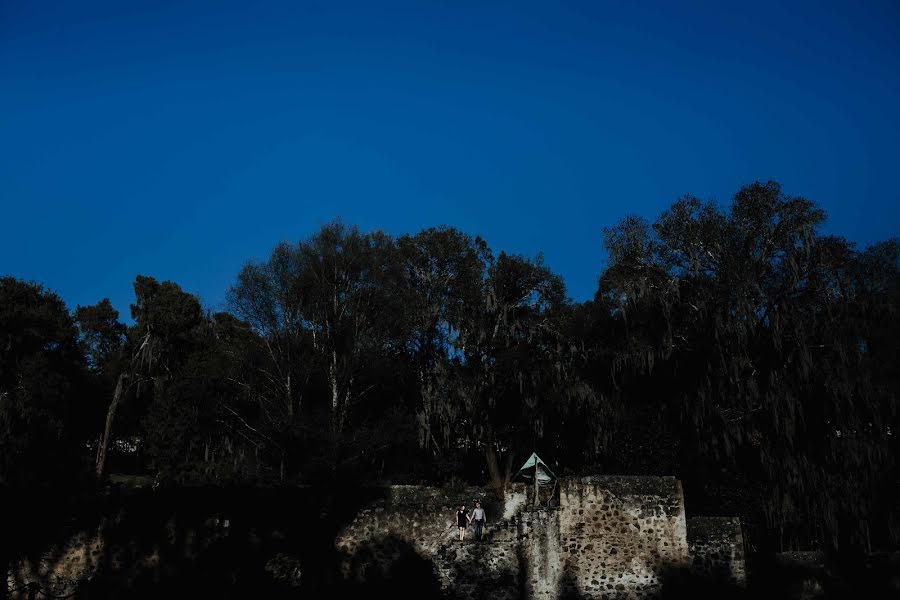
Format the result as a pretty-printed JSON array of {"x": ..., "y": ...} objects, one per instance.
[
  {"x": 333, "y": 292},
  {"x": 41, "y": 377},
  {"x": 347, "y": 282},
  {"x": 203, "y": 424},
  {"x": 519, "y": 370},
  {"x": 42, "y": 373},
  {"x": 102, "y": 339},
  {"x": 755, "y": 322},
  {"x": 268, "y": 297},
  {"x": 165, "y": 318},
  {"x": 444, "y": 272}
]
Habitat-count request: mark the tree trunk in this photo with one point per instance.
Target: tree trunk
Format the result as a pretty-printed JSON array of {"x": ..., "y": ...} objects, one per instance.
[
  {"x": 335, "y": 395},
  {"x": 107, "y": 431},
  {"x": 509, "y": 466},
  {"x": 500, "y": 476},
  {"x": 290, "y": 400}
]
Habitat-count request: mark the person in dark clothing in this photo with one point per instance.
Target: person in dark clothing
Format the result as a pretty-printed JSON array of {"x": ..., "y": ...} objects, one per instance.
[{"x": 462, "y": 519}]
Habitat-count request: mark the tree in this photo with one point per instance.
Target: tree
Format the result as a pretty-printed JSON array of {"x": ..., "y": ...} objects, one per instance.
[
  {"x": 42, "y": 433},
  {"x": 165, "y": 319},
  {"x": 101, "y": 335},
  {"x": 101, "y": 339},
  {"x": 754, "y": 323},
  {"x": 444, "y": 273},
  {"x": 334, "y": 294},
  {"x": 268, "y": 297},
  {"x": 202, "y": 426},
  {"x": 41, "y": 376},
  {"x": 346, "y": 284},
  {"x": 520, "y": 372}
]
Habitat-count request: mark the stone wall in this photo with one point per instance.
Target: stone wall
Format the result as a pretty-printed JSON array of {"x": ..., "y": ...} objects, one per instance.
[
  {"x": 608, "y": 537},
  {"x": 621, "y": 536},
  {"x": 521, "y": 548},
  {"x": 376, "y": 543},
  {"x": 78, "y": 558},
  {"x": 603, "y": 537},
  {"x": 473, "y": 571},
  {"x": 112, "y": 553},
  {"x": 717, "y": 549},
  {"x": 423, "y": 517},
  {"x": 541, "y": 552}
]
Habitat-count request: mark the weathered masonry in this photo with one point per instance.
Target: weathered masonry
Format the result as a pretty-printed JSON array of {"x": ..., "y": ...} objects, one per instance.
[
  {"x": 596, "y": 537},
  {"x": 605, "y": 537}
]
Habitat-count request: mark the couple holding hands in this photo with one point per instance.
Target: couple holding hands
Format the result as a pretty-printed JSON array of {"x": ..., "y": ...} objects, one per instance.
[{"x": 477, "y": 517}]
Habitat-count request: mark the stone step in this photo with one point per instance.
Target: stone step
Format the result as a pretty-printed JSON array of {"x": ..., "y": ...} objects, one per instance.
[{"x": 472, "y": 569}]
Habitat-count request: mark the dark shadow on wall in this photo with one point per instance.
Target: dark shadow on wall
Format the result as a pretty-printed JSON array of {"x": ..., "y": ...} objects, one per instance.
[
  {"x": 388, "y": 567},
  {"x": 216, "y": 542},
  {"x": 476, "y": 575},
  {"x": 676, "y": 584},
  {"x": 198, "y": 542},
  {"x": 569, "y": 589},
  {"x": 680, "y": 583},
  {"x": 34, "y": 525}
]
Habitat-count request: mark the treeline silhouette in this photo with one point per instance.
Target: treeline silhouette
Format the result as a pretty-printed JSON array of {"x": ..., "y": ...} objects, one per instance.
[{"x": 736, "y": 347}]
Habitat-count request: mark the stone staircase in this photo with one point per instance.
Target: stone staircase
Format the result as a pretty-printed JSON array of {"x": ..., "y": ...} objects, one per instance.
[{"x": 486, "y": 569}]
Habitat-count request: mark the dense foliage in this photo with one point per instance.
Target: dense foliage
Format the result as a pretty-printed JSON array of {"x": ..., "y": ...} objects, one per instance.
[{"x": 734, "y": 347}]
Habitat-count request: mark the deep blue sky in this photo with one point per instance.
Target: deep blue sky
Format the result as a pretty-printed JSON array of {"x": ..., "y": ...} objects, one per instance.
[{"x": 180, "y": 141}]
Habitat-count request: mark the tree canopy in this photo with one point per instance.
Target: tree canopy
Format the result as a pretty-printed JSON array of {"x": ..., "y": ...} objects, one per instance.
[{"x": 735, "y": 347}]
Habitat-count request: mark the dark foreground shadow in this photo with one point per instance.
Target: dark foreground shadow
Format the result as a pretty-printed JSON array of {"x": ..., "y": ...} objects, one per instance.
[
  {"x": 387, "y": 567},
  {"x": 681, "y": 583},
  {"x": 216, "y": 543}
]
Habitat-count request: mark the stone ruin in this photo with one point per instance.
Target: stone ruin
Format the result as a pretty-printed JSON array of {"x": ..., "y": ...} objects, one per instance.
[
  {"x": 593, "y": 537},
  {"x": 603, "y": 537}
]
